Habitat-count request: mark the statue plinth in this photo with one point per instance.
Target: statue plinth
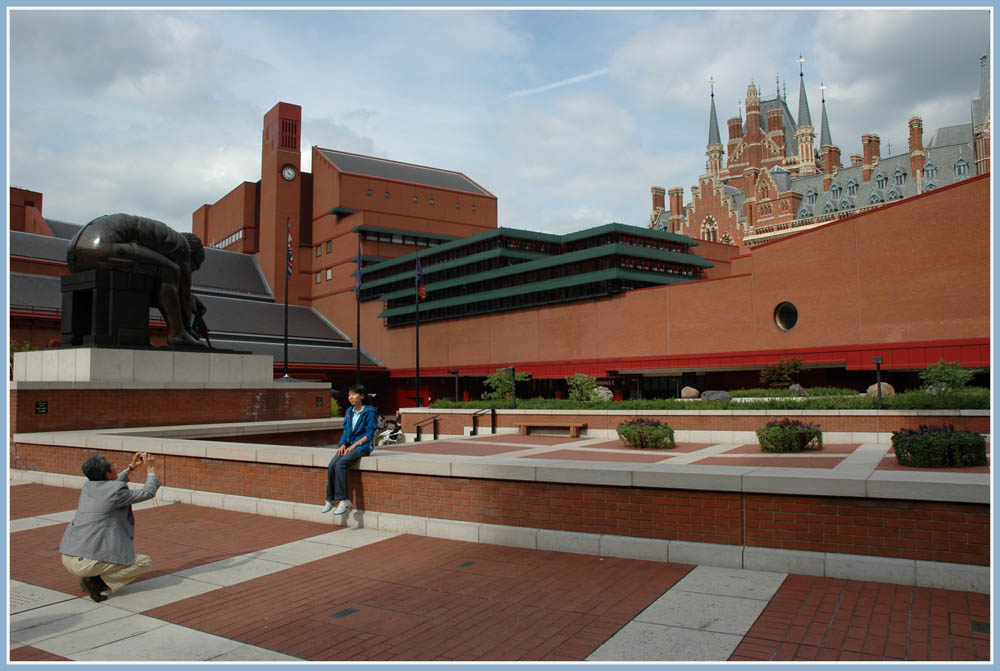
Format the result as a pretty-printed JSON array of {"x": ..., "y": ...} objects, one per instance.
[{"x": 105, "y": 306}]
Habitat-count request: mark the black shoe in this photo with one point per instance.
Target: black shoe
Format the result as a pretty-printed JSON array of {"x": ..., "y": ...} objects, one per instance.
[
  {"x": 92, "y": 587},
  {"x": 101, "y": 585}
]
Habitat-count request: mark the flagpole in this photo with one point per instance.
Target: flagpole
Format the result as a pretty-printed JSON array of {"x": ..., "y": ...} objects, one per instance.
[
  {"x": 416, "y": 304},
  {"x": 288, "y": 277},
  {"x": 357, "y": 296}
]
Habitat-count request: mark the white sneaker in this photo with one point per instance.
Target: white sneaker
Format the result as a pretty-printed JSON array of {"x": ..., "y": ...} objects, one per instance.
[
  {"x": 342, "y": 507},
  {"x": 328, "y": 507}
]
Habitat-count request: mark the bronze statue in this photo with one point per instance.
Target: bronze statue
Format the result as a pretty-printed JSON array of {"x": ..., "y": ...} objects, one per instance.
[{"x": 131, "y": 243}]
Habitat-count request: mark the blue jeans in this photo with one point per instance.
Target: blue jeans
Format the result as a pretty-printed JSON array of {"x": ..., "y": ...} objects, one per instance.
[{"x": 336, "y": 474}]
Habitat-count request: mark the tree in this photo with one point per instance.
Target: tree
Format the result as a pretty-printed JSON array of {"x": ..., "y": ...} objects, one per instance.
[
  {"x": 581, "y": 387},
  {"x": 944, "y": 377},
  {"x": 780, "y": 374},
  {"x": 499, "y": 386}
]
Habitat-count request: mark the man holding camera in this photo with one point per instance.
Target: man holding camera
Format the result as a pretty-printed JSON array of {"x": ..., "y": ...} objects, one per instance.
[{"x": 97, "y": 545}]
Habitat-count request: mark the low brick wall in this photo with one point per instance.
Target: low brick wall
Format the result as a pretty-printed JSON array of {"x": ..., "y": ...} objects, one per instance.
[
  {"x": 934, "y": 531},
  {"x": 456, "y": 422},
  {"x": 96, "y": 408}
]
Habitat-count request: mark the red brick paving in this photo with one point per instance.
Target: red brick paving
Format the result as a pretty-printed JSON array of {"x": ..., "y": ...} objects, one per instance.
[
  {"x": 645, "y": 456},
  {"x": 445, "y": 447},
  {"x": 680, "y": 448},
  {"x": 33, "y": 500},
  {"x": 518, "y": 439},
  {"x": 418, "y": 598},
  {"x": 827, "y": 449},
  {"x": 29, "y": 654},
  {"x": 177, "y": 536},
  {"x": 777, "y": 460},
  {"x": 812, "y": 618}
]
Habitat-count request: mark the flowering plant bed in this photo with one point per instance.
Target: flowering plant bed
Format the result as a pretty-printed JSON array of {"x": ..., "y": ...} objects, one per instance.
[
  {"x": 934, "y": 446},
  {"x": 789, "y": 435},
  {"x": 647, "y": 434}
]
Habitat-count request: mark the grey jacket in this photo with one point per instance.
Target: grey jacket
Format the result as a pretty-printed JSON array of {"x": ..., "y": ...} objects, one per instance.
[{"x": 104, "y": 526}]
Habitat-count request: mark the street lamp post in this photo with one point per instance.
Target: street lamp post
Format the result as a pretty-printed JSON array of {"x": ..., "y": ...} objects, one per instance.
[
  {"x": 513, "y": 387},
  {"x": 455, "y": 373},
  {"x": 877, "y": 360}
]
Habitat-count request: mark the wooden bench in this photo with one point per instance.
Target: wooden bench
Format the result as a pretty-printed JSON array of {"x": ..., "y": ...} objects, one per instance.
[{"x": 574, "y": 428}]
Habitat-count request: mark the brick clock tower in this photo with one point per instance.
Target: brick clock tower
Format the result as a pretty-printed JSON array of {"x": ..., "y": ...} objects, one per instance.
[{"x": 280, "y": 197}]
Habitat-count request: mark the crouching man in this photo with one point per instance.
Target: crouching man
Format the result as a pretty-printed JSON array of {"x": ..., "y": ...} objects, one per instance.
[{"x": 97, "y": 545}]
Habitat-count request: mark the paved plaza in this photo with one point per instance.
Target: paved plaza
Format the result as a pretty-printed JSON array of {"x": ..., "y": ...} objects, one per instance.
[{"x": 235, "y": 586}]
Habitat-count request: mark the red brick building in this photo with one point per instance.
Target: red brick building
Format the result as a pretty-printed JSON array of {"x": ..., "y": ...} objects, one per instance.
[{"x": 777, "y": 178}]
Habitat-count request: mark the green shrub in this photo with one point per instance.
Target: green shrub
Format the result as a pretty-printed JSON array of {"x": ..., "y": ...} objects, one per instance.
[
  {"x": 499, "y": 385},
  {"x": 780, "y": 374},
  {"x": 935, "y": 446},
  {"x": 334, "y": 408},
  {"x": 782, "y": 393},
  {"x": 970, "y": 398},
  {"x": 789, "y": 435},
  {"x": 581, "y": 387},
  {"x": 647, "y": 434},
  {"x": 945, "y": 376}
]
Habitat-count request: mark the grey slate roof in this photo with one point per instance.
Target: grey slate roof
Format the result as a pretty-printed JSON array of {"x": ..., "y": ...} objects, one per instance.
[
  {"x": 34, "y": 291},
  {"x": 34, "y": 246},
  {"x": 222, "y": 272},
  {"x": 713, "y": 125},
  {"x": 960, "y": 134},
  {"x": 298, "y": 353},
  {"x": 787, "y": 123},
  {"x": 402, "y": 172},
  {"x": 231, "y": 273},
  {"x": 63, "y": 229},
  {"x": 804, "y": 118}
]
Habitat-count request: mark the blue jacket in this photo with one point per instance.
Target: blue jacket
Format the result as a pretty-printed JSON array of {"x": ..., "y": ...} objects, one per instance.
[{"x": 364, "y": 426}]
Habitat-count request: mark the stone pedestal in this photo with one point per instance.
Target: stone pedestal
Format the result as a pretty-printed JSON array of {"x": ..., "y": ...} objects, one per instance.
[{"x": 107, "y": 307}]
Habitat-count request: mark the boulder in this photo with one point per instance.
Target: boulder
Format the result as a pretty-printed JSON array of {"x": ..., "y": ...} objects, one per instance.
[
  {"x": 602, "y": 394},
  {"x": 797, "y": 390},
  {"x": 689, "y": 392},
  {"x": 887, "y": 390},
  {"x": 714, "y": 395}
]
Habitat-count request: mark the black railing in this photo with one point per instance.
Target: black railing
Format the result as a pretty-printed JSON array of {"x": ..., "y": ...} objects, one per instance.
[
  {"x": 420, "y": 431},
  {"x": 475, "y": 421}
]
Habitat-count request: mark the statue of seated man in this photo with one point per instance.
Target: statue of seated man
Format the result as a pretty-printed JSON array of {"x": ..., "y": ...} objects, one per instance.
[{"x": 128, "y": 242}]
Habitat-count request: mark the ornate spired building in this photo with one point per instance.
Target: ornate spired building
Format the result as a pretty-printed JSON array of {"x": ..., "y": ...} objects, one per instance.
[{"x": 777, "y": 180}]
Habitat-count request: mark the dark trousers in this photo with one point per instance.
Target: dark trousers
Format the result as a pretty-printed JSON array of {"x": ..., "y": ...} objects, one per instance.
[{"x": 336, "y": 475}]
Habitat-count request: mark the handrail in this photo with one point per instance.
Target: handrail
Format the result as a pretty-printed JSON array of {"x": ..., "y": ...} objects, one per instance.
[
  {"x": 479, "y": 412},
  {"x": 493, "y": 420},
  {"x": 434, "y": 420}
]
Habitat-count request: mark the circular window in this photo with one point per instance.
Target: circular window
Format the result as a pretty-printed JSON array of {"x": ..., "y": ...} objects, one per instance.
[{"x": 785, "y": 316}]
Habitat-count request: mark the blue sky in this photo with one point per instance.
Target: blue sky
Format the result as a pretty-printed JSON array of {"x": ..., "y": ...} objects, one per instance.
[{"x": 568, "y": 117}]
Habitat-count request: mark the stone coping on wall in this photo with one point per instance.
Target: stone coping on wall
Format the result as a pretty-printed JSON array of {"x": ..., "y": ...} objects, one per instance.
[
  {"x": 900, "y": 571},
  {"x": 629, "y": 413},
  {"x": 857, "y": 475},
  {"x": 277, "y": 383}
]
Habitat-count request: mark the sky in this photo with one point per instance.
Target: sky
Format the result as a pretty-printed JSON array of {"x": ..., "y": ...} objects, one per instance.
[{"x": 568, "y": 117}]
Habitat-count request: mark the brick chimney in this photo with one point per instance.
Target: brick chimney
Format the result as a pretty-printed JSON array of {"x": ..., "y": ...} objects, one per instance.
[
  {"x": 831, "y": 163},
  {"x": 658, "y": 193},
  {"x": 773, "y": 120},
  {"x": 856, "y": 159},
  {"x": 917, "y": 156},
  {"x": 735, "y": 128},
  {"x": 870, "y": 146},
  {"x": 676, "y": 209}
]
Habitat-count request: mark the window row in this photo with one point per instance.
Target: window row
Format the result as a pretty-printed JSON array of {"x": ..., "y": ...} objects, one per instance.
[
  {"x": 430, "y": 201},
  {"x": 235, "y": 237}
]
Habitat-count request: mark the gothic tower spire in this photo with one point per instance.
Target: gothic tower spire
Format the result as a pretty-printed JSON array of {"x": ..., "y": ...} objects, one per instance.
[
  {"x": 805, "y": 134},
  {"x": 824, "y": 129},
  {"x": 714, "y": 150}
]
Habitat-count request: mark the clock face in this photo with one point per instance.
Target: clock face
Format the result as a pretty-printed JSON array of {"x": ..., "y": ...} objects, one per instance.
[{"x": 288, "y": 172}]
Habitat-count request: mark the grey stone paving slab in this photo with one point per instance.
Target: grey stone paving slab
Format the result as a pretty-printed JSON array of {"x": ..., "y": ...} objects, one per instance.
[
  {"x": 167, "y": 643},
  {"x": 297, "y": 553},
  {"x": 645, "y": 642},
  {"x": 731, "y": 582},
  {"x": 232, "y": 570},
  {"x": 251, "y": 653},
  {"x": 30, "y": 523},
  {"x": 354, "y": 537},
  {"x": 59, "y": 618},
  {"x": 159, "y": 591},
  {"x": 25, "y": 597},
  {"x": 121, "y": 626},
  {"x": 704, "y": 612}
]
